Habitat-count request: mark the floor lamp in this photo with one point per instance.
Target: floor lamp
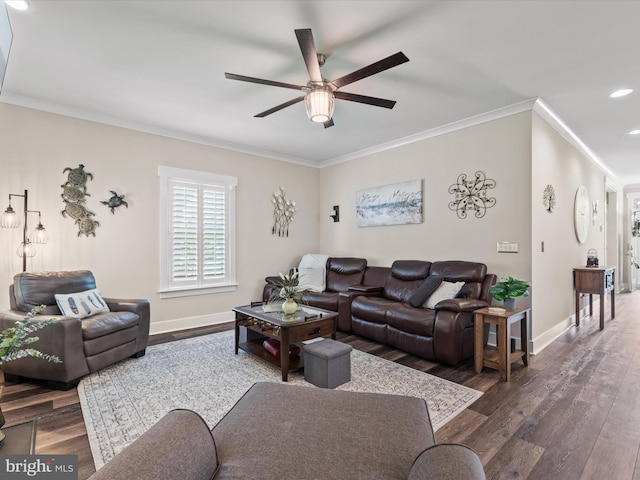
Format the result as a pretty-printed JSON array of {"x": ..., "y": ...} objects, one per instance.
[{"x": 10, "y": 219}]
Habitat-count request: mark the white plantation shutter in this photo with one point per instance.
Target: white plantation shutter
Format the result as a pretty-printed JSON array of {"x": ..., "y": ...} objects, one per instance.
[
  {"x": 184, "y": 234},
  {"x": 197, "y": 236},
  {"x": 213, "y": 233}
]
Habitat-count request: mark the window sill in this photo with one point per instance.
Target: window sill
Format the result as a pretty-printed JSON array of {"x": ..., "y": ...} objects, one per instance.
[{"x": 192, "y": 291}]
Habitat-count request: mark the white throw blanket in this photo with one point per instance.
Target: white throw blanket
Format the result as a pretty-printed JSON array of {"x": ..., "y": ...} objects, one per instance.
[{"x": 313, "y": 271}]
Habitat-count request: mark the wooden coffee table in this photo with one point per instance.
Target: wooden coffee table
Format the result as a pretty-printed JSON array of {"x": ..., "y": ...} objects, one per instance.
[{"x": 307, "y": 323}]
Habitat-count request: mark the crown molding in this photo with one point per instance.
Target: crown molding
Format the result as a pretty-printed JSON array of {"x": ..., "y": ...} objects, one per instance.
[
  {"x": 533, "y": 104},
  {"x": 57, "y": 109},
  {"x": 524, "y": 106},
  {"x": 549, "y": 116}
]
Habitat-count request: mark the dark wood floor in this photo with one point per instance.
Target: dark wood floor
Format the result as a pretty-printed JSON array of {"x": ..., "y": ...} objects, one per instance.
[{"x": 574, "y": 413}]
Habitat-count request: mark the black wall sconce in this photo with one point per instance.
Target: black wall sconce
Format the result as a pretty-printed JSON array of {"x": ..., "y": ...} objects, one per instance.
[{"x": 335, "y": 213}]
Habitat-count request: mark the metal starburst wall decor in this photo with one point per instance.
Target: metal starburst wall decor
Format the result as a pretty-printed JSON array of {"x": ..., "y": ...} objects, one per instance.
[
  {"x": 471, "y": 195},
  {"x": 283, "y": 213}
]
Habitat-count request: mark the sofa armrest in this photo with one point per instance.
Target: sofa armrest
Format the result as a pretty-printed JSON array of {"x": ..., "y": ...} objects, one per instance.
[
  {"x": 180, "y": 445},
  {"x": 127, "y": 305},
  {"x": 447, "y": 461},
  {"x": 142, "y": 308},
  {"x": 62, "y": 338},
  {"x": 461, "y": 304}
]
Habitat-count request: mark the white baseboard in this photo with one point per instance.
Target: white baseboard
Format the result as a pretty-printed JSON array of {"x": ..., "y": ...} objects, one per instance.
[
  {"x": 190, "y": 322},
  {"x": 537, "y": 344},
  {"x": 542, "y": 341}
]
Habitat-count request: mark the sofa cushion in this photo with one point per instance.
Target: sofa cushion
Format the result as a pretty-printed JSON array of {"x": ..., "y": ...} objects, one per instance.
[
  {"x": 472, "y": 273},
  {"x": 321, "y": 433},
  {"x": 446, "y": 291},
  {"x": 416, "y": 321},
  {"x": 106, "y": 323},
  {"x": 406, "y": 277},
  {"x": 344, "y": 272},
  {"x": 81, "y": 304},
  {"x": 373, "y": 309},
  {"x": 425, "y": 290},
  {"x": 459, "y": 271},
  {"x": 33, "y": 289}
]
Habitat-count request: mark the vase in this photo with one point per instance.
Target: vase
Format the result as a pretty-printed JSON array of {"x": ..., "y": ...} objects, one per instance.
[
  {"x": 509, "y": 303},
  {"x": 289, "y": 306}
]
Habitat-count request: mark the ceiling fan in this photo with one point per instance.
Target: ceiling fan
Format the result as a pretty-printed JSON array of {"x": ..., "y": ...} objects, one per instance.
[{"x": 320, "y": 93}]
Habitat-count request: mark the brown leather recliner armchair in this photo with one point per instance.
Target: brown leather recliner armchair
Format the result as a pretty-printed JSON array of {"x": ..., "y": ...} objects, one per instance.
[{"x": 84, "y": 345}]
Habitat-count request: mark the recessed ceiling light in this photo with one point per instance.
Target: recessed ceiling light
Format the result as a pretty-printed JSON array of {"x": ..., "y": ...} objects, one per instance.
[
  {"x": 18, "y": 4},
  {"x": 623, "y": 92},
  {"x": 634, "y": 132}
]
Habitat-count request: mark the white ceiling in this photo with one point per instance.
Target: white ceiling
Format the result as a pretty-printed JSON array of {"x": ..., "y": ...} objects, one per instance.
[{"x": 159, "y": 66}]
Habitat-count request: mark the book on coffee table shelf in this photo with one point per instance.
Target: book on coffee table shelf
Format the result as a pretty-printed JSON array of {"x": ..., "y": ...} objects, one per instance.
[{"x": 273, "y": 347}]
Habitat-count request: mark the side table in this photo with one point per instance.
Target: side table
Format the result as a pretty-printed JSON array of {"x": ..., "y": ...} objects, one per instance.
[
  {"x": 500, "y": 358},
  {"x": 599, "y": 281}
]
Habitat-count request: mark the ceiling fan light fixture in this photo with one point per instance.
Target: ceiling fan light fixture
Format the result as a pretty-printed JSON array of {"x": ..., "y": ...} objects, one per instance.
[
  {"x": 623, "y": 92},
  {"x": 21, "y": 5},
  {"x": 319, "y": 104}
]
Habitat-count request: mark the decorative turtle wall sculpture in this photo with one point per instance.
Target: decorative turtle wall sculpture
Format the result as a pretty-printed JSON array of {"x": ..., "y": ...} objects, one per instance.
[
  {"x": 115, "y": 201},
  {"x": 77, "y": 176},
  {"x": 73, "y": 195},
  {"x": 87, "y": 226},
  {"x": 75, "y": 210}
]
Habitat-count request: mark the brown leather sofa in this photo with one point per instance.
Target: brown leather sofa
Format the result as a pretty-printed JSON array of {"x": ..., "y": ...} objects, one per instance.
[
  {"x": 444, "y": 333},
  {"x": 84, "y": 345},
  {"x": 374, "y": 302},
  {"x": 322, "y": 433}
]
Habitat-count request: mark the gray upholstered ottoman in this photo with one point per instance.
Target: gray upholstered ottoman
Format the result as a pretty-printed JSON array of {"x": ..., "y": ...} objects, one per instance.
[{"x": 327, "y": 363}]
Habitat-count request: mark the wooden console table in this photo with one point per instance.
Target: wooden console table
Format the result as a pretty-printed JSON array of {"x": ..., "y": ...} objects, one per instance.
[
  {"x": 598, "y": 280},
  {"x": 501, "y": 358}
]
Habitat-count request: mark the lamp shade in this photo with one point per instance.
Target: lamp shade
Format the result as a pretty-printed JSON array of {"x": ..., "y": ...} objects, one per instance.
[
  {"x": 319, "y": 104},
  {"x": 9, "y": 218},
  {"x": 26, "y": 249},
  {"x": 39, "y": 235}
]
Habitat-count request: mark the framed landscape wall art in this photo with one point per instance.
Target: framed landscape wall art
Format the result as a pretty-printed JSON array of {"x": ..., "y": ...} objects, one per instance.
[{"x": 397, "y": 204}]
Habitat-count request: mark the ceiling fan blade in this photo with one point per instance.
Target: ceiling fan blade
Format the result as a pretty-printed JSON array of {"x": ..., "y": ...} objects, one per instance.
[
  {"x": 280, "y": 107},
  {"x": 377, "y": 67},
  {"x": 310, "y": 54},
  {"x": 328, "y": 123},
  {"x": 352, "y": 97},
  {"x": 242, "y": 78}
]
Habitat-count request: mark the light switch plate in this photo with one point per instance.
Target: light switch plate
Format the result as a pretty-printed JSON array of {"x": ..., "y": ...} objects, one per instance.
[{"x": 507, "y": 247}]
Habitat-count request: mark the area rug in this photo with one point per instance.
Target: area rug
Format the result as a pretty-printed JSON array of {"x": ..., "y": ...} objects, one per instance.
[{"x": 203, "y": 374}]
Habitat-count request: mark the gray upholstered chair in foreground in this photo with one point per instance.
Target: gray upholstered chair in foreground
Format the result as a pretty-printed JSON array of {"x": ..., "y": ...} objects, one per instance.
[
  {"x": 284, "y": 432},
  {"x": 92, "y": 332}
]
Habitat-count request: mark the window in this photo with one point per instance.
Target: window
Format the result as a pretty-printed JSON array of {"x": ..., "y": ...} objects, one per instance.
[{"x": 197, "y": 232}]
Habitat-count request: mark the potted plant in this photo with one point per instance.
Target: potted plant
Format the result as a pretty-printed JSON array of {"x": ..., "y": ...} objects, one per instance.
[
  {"x": 14, "y": 343},
  {"x": 508, "y": 289},
  {"x": 290, "y": 291}
]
